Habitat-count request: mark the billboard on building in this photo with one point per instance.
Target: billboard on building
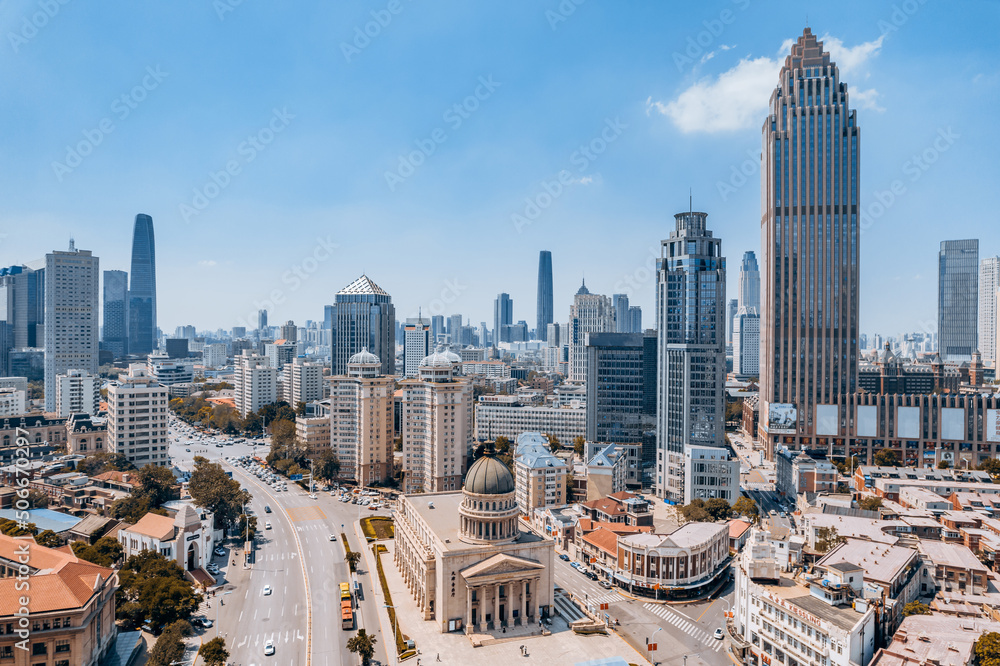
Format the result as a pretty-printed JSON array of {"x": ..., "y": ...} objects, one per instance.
[
  {"x": 952, "y": 423},
  {"x": 781, "y": 418},
  {"x": 908, "y": 422},
  {"x": 992, "y": 425},
  {"x": 866, "y": 421},
  {"x": 827, "y": 420}
]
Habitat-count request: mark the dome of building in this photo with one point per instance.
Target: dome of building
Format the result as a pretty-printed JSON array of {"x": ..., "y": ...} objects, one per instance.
[
  {"x": 364, "y": 357},
  {"x": 452, "y": 356},
  {"x": 489, "y": 476},
  {"x": 440, "y": 359}
]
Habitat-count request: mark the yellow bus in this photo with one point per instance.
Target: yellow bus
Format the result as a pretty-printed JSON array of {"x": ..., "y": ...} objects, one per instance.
[{"x": 345, "y": 591}]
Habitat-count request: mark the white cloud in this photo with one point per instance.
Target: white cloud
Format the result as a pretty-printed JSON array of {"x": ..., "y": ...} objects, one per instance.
[
  {"x": 737, "y": 98},
  {"x": 207, "y": 263},
  {"x": 585, "y": 180}
]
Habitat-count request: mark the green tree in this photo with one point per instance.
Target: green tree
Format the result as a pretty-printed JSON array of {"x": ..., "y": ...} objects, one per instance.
[
  {"x": 156, "y": 483},
  {"x": 49, "y": 539},
  {"x": 991, "y": 465},
  {"x": 104, "y": 461},
  {"x": 554, "y": 443},
  {"x": 943, "y": 464},
  {"x": 579, "y": 445},
  {"x": 169, "y": 648},
  {"x": 132, "y": 508},
  {"x": 694, "y": 512},
  {"x": 326, "y": 466},
  {"x": 916, "y": 608},
  {"x": 987, "y": 649},
  {"x": 363, "y": 645},
  {"x": 283, "y": 434},
  {"x": 502, "y": 444},
  {"x": 847, "y": 466},
  {"x": 718, "y": 508},
  {"x": 352, "y": 558},
  {"x": 734, "y": 411},
  {"x": 105, "y": 552},
  {"x": 14, "y": 529},
  {"x": 745, "y": 506},
  {"x": 212, "y": 489},
  {"x": 214, "y": 652},
  {"x": 153, "y": 589},
  {"x": 886, "y": 458},
  {"x": 827, "y": 538},
  {"x": 38, "y": 499},
  {"x": 247, "y": 527},
  {"x": 300, "y": 409},
  {"x": 870, "y": 503}
]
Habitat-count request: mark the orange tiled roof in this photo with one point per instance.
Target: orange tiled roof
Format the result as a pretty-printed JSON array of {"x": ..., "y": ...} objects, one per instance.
[
  {"x": 606, "y": 505},
  {"x": 737, "y": 528},
  {"x": 604, "y": 539},
  {"x": 222, "y": 401},
  {"x": 112, "y": 475},
  {"x": 156, "y": 526}
]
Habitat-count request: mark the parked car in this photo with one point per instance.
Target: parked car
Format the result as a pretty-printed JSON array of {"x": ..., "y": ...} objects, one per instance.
[
  {"x": 605, "y": 584},
  {"x": 564, "y": 557},
  {"x": 333, "y": 537}
]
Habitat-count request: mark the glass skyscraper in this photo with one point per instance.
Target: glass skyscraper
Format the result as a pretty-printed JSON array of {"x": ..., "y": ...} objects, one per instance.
[
  {"x": 115, "y": 333},
  {"x": 503, "y": 315},
  {"x": 958, "y": 299},
  {"x": 544, "y": 317},
  {"x": 142, "y": 335},
  {"x": 809, "y": 243},
  {"x": 364, "y": 319}
]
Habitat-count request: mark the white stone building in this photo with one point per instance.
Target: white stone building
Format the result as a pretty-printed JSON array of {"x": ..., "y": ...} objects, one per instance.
[
  {"x": 185, "y": 538},
  {"x": 77, "y": 392},
  {"x": 11, "y": 402},
  {"x": 709, "y": 473},
  {"x": 506, "y": 415},
  {"x": 255, "y": 383},
  {"x": 360, "y": 421},
  {"x": 214, "y": 355},
  {"x": 303, "y": 381},
  {"x": 137, "y": 418}
]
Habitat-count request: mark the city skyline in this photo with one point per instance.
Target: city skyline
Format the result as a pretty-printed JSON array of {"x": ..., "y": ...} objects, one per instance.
[{"x": 904, "y": 119}]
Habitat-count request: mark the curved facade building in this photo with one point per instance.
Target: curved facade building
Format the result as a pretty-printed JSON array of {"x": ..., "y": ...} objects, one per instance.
[{"x": 142, "y": 338}]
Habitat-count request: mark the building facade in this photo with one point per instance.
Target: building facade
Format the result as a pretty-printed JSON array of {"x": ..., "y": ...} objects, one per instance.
[
  {"x": 142, "y": 331},
  {"x": 361, "y": 419},
  {"x": 684, "y": 563},
  {"x": 77, "y": 392},
  {"x": 365, "y": 319},
  {"x": 416, "y": 345},
  {"x": 618, "y": 378},
  {"x": 989, "y": 283},
  {"x": 590, "y": 313},
  {"x": 503, "y": 316},
  {"x": 958, "y": 299},
  {"x": 544, "y": 308},
  {"x": 746, "y": 343},
  {"x": 184, "y": 538},
  {"x": 169, "y": 371},
  {"x": 137, "y": 418},
  {"x": 507, "y": 415},
  {"x": 255, "y": 383},
  {"x": 810, "y": 243},
  {"x": 710, "y": 473},
  {"x": 115, "y": 331},
  {"x": 303, "y": 382},
  {"x": 691, "y": 368},
  {"x": 541, "y": 479}
]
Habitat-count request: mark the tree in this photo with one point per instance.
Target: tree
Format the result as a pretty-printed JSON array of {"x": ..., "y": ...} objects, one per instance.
[
  {"x": 326, "y": 465},
  {"x": 694, "y": 512},
  {"x": 38, "y": 499},
  {"x": 827, "y": 538},
  {"x": 212, "y": 489},
  {"x": 105, "y": 552},
  {"x": 886, "y": 458},
  {"x": 214, "y": 652},
  {"x": 49, "y": 539},
  {"x": 847, "y": 466},
  {"x": 169, "y": 648},
  {"x": 734, "y": 411},
  {"x": 554, "y": 444},
  {"x": 870, "y": 503},
  {"x": 104, "y": 461},
  {"x": 991, "y": 465},
  {"x": 718, "y": 508},
  {"x": 579, "y": 445},
  {"x": 300, "y": 409},
  {"x": 283, "y": 433},
  {"x": 352, "y": 558},
  {"x": 132, "y": 508},
  {"x": 363, "y": 645},
  {"x": 745, "y": 506},
  {"x": 247, "y": 527},
  {"x": 502, "y": 444},
  {"x": 943, "y": 464},
  {"x": 153, "y": 589},
  {"x": 155, "y": 483},
  {"x": 15, "y": 529},
  {"x": 987, "y": 649},
  {"x": 916, "y": 608}
]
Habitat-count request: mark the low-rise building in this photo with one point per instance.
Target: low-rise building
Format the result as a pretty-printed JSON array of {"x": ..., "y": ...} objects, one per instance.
[
  {"x": 916, "y": 497},
  {"x": 935, "y": 640},
  {"x": 77, "y": 391},
  {"x": 952, "y": 567},
  {"x": 12, "y": 401},
  {"x": 86, "y": 434},
  {"x": 865, "y": 476},
  {"x": 168, "y": 371},
  {"x": 623, "y": 507},
  {"x": 626, "y": 459},
  {"x": 313, "y": 432},
  {"x": 541, "y": 478},
  {"x": 688, "y": 562},
  {"x": 709, "y": 473},
  {"x": 803, "y": 472},
  {"x": 185, "y": 538}
]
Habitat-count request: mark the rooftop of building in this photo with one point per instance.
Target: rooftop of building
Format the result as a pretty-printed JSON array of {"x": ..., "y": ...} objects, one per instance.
[
  {"x": 603, "y": 539},
  {"x": 950, "y": 555},
  {"x": 737, "y": 528},
  {"x": 791, "y": 592},
  {"x": 440, "y": 512},
  {"x": 934, "y": 639},
  {"x": 363, "y": 286},
  {"x": 45, "y": 519},
  {"x": 155, "y": 526},
  {"x": 882, "y": 563},
  {"x": 688, "y": 535}
]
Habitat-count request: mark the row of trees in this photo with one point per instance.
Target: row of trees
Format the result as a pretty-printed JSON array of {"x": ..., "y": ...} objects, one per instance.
[
  {"x": 153, "y": 589},
  {"x": 196, "y": 409}
]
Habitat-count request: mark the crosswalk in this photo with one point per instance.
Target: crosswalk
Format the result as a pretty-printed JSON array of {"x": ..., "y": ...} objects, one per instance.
[
  {"x": 277, "y": 637},
  {"x": 685, "y": 625},
  {"x": 570, "y": 611},
  {"x": 609, "y": 598}
]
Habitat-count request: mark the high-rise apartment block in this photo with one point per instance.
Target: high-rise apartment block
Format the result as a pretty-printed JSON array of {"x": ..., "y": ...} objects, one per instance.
[
  {"x": 255, "y": 383},
  {"x": 137, "y": 418},
  {"x": 617, "y": 382},
  {"x": 361, "y": 419},
  {"x": 77, "y": 392},
  {"x": 416, "y": 344},
  {"x": 114, "y": 336},
  {"x": 437, "y": 425},
  {"x": 691, "y": 297},
  {"x": 989, "y": 283},
  {"x": 810, "y": 249},
  {"x": 958, "y": 299},
  {"x": 289, "y": 332},
  {"x": 544, "y": 308},
  {"x": 590, "y": 313},
  {"x": 280, "y": 353},
  {"x": 503, "y": 317},
  {"x": 72, "y": 304},
  {"x": 366, "y": 319},
  {"x": 214, "y": 355},
  {"x": 142, "y": 332},
  {"x": 303, "y": 382},
  {"x": 746, "y": 343}
]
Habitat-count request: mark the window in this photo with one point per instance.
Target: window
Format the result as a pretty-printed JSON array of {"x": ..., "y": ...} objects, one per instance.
[{"x": 62, "y": 646}]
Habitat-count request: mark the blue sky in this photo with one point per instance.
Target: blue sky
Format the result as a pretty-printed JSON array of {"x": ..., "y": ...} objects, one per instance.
[{"x": 346, "y": 153}]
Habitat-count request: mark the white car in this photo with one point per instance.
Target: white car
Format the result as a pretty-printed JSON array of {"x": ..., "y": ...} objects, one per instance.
[
  {"x": 718, "y": 634},
  {"x": 268, "y": 648},
  {"x": 267, "y": 590}
]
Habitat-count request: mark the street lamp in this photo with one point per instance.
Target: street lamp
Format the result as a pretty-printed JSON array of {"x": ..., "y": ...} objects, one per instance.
[
  {"x": 650, "y": 642},
  {"x": 394, "y": 651}
]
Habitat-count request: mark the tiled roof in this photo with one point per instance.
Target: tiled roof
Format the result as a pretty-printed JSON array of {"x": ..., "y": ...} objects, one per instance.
[
  {"x": 117, "y": 477},
  {"x": 603, "y": 539},
  {"x": 737, "y": 528},
  {"x": 155, "y": 526}
]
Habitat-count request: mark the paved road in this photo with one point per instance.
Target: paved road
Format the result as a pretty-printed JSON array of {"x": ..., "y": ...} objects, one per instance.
[{"x": 683, "y": 630}]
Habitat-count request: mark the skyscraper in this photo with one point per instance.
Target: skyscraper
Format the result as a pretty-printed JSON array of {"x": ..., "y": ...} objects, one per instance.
[
  {"x": 289, "y": 332},
  {"x": 437, "y": 328},
  {"x": 989, "y": 282},
  {"x": 115, "y": 334},
  {"x": 544, "y": 317},
  {"x": 590, "y": 313},
  {"x": 634, "y": 319},
  {"x": 503, "y": 315},
  {"x": 617, "y": 382},
  {"x": 958, "y": 299},
  {"x": 261, "y": 320},
  {"x": 749, "y": 294},
  {"x": 731, "y": 309},
  {"x": 620, "y": 303},
  {"x": 72, "y": 306},
  {"x": 22, "y": 309},
  {"x": 691, "y": 297},
  {"x": 809, "y": 243},
  {"x": 366, "y": 319},
  {"x": 454, "y": 329},
  {"x": 416, "y": 345},
  {"x": 142, "y": 334}
]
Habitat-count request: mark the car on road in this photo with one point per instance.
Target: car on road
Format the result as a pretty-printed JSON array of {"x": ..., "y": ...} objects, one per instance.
[
  {"x": 564, "y": 557},
  {"x": 575, "y": 565},
  {"x": 312, "y": 496},
  {"x": 267, "y": 508},
  {"x": 591, "y": 575},
  {"x": 221, "y": 552},
  {"x": 188, "y": 450},
  {"x": 333, "y": 537},
  {"x": 267, "y": 525},
  {"x": 605, "y": 584},
  {"x": 718, "y": 634},
  {"x": 268, "y": 648},
  {"x": 267, "y": 590}
]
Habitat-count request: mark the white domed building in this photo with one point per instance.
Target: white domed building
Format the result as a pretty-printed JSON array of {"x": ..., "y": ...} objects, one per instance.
[{"x": 466, "y": 560}]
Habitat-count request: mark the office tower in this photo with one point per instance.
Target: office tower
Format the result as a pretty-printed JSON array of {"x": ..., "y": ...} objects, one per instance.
[
  {"x": 503, "y": 315},
  {"x": 634, "y": 319},
  {"x": 620, "y": 303},
  {"x": 115, "y": 333},
  {"x": 176, "y": 347},
  {"x": 454, "y": 329},
  {"x": 239, "y": 332},
  {"x": 72, "y": 304},
  {"x": 746, "y": 343},
  {"x": 289, "y": 332},
  {"x": 989, "y": 282},
  {"x": 329, "y": 313},
  {"x": 137, "y": 417},
  {"x": 214, "y": 355},
  {"x": 809, "y": 243},
  {"x": 303, "y": 382},
  {"x": 749, "y": 291},
  {"x": 958, "y": 299},
  {"x": 590, "y": 313},
  {"x": 142, "y": 334},
  {"x": 545, "y": 311},
  {"x": 361, "y": 419},
  {"x": 554, "y": 335},
  {"x": 22, "y": 309},
  {"x": 366, "y": 319},
  {"x": 261, "y": 320},
  {"x": 484, "y": 334},
  {"x": 437, "y": 329},
  {"x": 731, "y": 309},
  {"x": 416, "y": 345},
  {"x": 691, "y": 293},
  {"x": 255, "y": 383},
  {"x": 280, "y": 354},
  {"x": 516, "y": 332},
  {"x": 77, "y": 392},
  {"x": 437, "y": 425},
  {"x": 617, "y": 381}
]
